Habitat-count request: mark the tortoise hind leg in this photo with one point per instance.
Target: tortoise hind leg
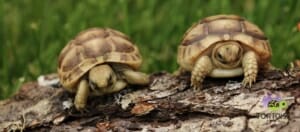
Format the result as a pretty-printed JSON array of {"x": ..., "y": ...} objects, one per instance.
[
  {"x": 250, "y": 67},
  {"x": 82, "y": 95},
  {"x": 269, "y": 67},
  {"x": 179, "y": 71}
]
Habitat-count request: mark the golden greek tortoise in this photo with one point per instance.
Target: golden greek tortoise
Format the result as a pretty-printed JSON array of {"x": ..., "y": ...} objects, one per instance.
[
  {"x": 99, "y": 61},
  {"x": 224, "y": 46}
]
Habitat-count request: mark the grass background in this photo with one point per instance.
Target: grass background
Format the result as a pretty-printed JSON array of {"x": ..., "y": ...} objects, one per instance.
[{"x": 33, "y": 32}]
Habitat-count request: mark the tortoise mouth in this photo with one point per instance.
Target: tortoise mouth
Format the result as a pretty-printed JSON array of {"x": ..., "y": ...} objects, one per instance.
[{"x": 221, "y": 63}]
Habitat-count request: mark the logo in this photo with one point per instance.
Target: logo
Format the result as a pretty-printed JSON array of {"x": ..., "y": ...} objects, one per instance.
[{"x": 274, "y": 103}]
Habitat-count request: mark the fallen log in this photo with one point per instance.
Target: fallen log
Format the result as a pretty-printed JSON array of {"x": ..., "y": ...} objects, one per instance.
[{"x": 167, "y": 104}]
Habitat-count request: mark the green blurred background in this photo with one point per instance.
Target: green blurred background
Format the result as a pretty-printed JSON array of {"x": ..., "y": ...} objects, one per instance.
[{"x": 34, "y": 31}]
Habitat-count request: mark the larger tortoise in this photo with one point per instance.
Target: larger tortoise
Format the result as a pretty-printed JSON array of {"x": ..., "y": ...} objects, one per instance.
[
  {"x": 99, "y": 61},
  {"x": 224, "y": 46}
]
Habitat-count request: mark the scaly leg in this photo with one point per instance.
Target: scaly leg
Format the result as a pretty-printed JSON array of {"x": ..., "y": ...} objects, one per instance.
[
  {"x": 268, "y": 67},
  {"x": 179, "y": 71},
  {"x": 130, "y": 75},
  {"x": 135, "y": 77},
  {"x": 119, "y": 85},
  {"x": 250, "y": 68},
  {"x": 82, "y": 95},
  {"x": 202, "y": 68}
]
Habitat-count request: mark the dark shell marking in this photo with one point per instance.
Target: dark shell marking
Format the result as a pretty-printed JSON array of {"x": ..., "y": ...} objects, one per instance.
[
  {"x": 123, "y": 47},
  {"x": 69, "y": 63}
]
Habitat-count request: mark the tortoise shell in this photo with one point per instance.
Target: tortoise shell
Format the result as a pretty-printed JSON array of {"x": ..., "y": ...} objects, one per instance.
[
  {"x": 202, "y": 37},
  {"x": 93, "y": 47}
]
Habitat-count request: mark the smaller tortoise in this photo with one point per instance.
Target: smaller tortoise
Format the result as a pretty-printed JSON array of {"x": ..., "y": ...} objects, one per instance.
[
  {"x": 224, "y": 46},
  {"x": 99, "y": 61}
]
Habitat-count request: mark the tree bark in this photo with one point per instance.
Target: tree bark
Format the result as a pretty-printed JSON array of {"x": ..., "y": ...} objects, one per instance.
[{"x": 167, "y": 104}]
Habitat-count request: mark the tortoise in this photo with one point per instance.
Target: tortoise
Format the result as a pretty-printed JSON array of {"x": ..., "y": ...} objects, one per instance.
[
  {"x": 224, "y": 46},
  {"x": 99, "y": 61}
]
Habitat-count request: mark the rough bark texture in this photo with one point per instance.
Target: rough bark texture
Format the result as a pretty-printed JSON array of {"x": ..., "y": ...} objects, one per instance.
[{"x": 167, "y": 104}]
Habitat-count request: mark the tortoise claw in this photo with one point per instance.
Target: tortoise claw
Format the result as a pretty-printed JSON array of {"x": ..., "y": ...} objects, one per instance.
[
  {"x": 249, "y": 80},
  {"x": 196, "y": 85}
]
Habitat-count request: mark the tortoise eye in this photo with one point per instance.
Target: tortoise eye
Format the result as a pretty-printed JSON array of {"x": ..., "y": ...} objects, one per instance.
[
  {"x": 92, "y": 85},
  {"x": 219, "y": 56},
  {"x": 110, "y": 80},
  {"x": 240, "y": 52}
]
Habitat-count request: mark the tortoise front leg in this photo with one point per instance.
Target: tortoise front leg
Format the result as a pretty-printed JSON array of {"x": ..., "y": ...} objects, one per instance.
[
  {"x": 130, "y": 75},
  {"x": 202, "y": 68},
  {"x": 82, "y": 95},
  {"x": 250, "y": 68},
  {"x": 119, "y": 85},
  {"x": 135, "y": 77}
]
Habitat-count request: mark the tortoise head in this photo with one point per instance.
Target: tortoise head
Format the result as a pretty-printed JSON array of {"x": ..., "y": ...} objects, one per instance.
[
  {"x": 102, "y": 76},
  {"x": 227, "y": 54}
]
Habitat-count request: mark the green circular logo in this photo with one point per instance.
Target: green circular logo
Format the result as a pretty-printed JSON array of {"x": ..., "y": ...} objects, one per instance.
[{"x": 275, "y": 105}]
